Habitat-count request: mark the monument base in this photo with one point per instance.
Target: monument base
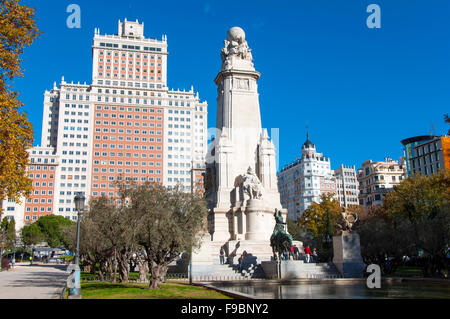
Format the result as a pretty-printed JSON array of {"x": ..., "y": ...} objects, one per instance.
[
  {"x": 347, "y": 255},
  {"x": 202, "y": 263},
  {"x": 206, "y": 260},
  {"x": 259, "y": 250},
  {"x": 298, "y": 269}
]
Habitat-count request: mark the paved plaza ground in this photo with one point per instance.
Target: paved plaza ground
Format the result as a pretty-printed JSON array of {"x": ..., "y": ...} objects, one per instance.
[{"x": 39, "y": 281}]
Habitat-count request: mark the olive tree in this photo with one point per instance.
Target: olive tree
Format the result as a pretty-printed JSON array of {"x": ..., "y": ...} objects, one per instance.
[{"x": 167, "y": 220}]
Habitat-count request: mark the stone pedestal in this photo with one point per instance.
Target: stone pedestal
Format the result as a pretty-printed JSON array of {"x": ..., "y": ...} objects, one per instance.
[
  {"x": 347, "y": 255},
  {"x": 260, "y": 250},
  {"x": 202, "y": 261}
]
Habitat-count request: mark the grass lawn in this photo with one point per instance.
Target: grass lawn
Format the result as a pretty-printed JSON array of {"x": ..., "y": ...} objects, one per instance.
[
  {"x": 407, "y": 271},
  {"x": 107, "y": 290}
]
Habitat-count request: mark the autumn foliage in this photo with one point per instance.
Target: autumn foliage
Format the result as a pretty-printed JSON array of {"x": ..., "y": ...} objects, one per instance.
[
  {"x": 314, "y": 220},
  {"x": 17, "y": 31}
]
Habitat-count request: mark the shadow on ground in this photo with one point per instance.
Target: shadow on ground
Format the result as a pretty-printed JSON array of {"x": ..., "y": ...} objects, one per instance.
[
  {"x": 40, "y": 278},
  {"x": 43, "y": 280}
]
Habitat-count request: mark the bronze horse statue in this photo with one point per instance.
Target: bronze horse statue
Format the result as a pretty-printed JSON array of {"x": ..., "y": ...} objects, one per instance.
[{"x": 280, "y": 241}]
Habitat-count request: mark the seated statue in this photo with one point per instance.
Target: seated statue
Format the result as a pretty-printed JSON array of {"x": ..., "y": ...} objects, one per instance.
[{"x": 250, "y": 184}]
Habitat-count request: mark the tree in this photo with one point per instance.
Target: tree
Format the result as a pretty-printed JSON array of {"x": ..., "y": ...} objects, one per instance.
[
  {"x": 3, "y": 236},
  {"x": 151, "y": 226},
  {"x": 48, "y": 228},
  {"x": 415, "y": 217},
  {"x": 294, "y": 230},
  {"x": 424, "y": 203},
  {"x": 51, "y": 227},
  {"x": 96, "y": 228},
  {"x": 381, "y": 236},
  {"x": 318, "y": 224},
  {"x": 17, "y": 31},
  {"x": 315, "y": 220},
  {"x": 11, "y": 234},
  {"x": 117, "y": 226},
  {"x": 7, "y": 235},
  {"x": 31, "y": 235},
  {"x": 168, "y": 222}
]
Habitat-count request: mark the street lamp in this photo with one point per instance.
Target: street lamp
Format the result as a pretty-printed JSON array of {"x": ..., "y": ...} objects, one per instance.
[{"x": 75, "y": 289}]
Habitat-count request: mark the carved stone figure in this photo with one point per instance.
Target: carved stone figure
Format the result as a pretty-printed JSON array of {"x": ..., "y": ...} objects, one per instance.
[
  {"x": 235, "y": 45},
  {"x": 250, "y": 184},
  {"x": 346, "y": 222}
]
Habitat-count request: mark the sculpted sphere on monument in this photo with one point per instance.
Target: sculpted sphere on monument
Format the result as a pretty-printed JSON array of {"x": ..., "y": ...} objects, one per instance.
[{"x": 236, "y": 34}]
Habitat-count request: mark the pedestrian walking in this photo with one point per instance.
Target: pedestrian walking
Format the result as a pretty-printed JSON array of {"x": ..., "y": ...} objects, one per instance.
[
  {"x": 315, "y": 255},
  {"x": 222, "y": 255},
  {"x": 308, "y": 253},
  {"x": 31, "y": 260},
  {"x": 296, "y": 252}
]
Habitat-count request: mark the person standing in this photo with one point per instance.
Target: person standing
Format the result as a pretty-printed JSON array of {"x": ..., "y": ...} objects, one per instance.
[
  {"x": 307, "y": 253},
  {"x": 315, "y": 255},
  {"x": 222, "y": 255},
  {"x": 241, "y": 263},
  {"x": 296, "y": 252}
]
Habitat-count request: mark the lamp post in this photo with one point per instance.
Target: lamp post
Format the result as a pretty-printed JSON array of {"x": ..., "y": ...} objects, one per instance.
[{"x": 75, "y": 289}]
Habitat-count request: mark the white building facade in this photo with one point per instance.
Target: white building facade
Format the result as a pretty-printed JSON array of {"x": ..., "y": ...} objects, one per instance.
[
  {"x": 376, "y": 179},
  {"x": 303, "y": 181},
  {"x": 347, "y": 186}
]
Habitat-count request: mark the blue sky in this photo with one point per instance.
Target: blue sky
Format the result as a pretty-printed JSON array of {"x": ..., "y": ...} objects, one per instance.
[{"x": 360, "y": 90}]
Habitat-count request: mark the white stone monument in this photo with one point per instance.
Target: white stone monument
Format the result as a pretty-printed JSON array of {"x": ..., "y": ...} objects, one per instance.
[{"x": 241, "y": 180}]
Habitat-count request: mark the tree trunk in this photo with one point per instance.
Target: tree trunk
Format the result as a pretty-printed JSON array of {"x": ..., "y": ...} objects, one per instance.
[
  {"x": 124, "y": 270},
  {"x": 102, "y": 269},
  {"x": 157, "y": 276},
  {"x": 109, "y": 268},
  {"x": 115, "y": 266},
  {"x": 143, "y": 271},
  {"x": 92, "y": 270}
]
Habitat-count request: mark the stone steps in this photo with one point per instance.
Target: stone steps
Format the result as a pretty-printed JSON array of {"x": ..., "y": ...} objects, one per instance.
[
  {"x": 297, "y": 269},
  {"x": 250, "y": 271},
  {"x": 319, "y": 270}
]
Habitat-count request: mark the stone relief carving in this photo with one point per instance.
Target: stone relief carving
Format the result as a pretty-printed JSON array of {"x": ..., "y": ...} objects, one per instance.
[{"x": 242, "y": 84}]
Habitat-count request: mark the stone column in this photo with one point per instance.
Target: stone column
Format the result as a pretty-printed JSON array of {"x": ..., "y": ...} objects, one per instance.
[{"x": 255, "y": 227}]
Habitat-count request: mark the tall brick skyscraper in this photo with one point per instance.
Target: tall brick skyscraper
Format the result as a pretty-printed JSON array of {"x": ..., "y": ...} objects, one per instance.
[{"x": 126, "y": 124}]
